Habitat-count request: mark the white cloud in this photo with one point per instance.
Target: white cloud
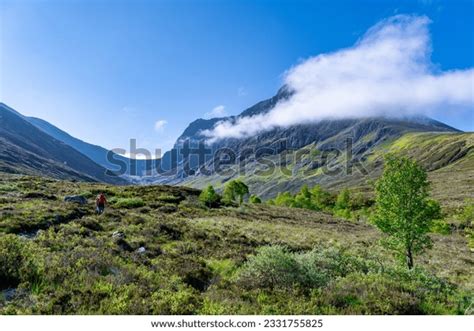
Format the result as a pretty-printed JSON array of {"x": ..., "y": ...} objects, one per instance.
[
  {"x": 160, "y": 125},
  {"x": 217, "y": 111},
  {"x": 134, "y": 156},
  {"x": 388, "y": 72}
]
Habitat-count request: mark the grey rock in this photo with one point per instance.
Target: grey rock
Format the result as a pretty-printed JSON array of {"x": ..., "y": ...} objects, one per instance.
[
  {"x": 118, "y": 235},
  {"x": 29, "y": 234},
  {"x": 8, "y": 294},
  {"x": 141, "y": 250},
  {"x": 76, "y": 199}
]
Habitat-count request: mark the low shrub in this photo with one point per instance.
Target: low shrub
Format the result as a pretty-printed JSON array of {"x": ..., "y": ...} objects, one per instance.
[
  {"x": 349, "y": 284},
  {"x": 276, "y": 267},
  {"x": 169, "y": 198},
  {"x": 467, "y": 221},
  {"x": 224, "y": 269},
  {"x": 87, "y": 194},
  {"x": 17, "y": 262},
  {"x": 8, "y": 188},
  {"x": 128, "y": 203},
  {"x": 270, "y": 267},
  {"x": 370, "y": 294},
  {"x": 441, "y": 227},
  {"x": 175, "y": 299},
  {"x": 319, "y": 266},
  {"x": 255, "y": 199},
  {"x": 396, "y": 291}
]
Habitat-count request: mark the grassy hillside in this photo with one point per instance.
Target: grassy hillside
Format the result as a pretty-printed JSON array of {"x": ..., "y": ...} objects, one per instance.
[
  {"x": 157, "y": 250},
  {"x": 448, "y": 157}
]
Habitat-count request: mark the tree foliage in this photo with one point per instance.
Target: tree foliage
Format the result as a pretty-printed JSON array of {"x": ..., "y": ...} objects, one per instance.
[
  {"x": 303, "y": 198},
  {"x": 403, "y": 208},
  {"x": 342, "y": 207},
  {"x": 209, "y": 197},
  {"x": 320, "y": 198},
  {"x": 235, "y": 191},
  {"x": 255, "y": 199},
  {"x": 285, "y": 199},
  {"x": 314, "y": 199},
  {"x": 343, "y": 200}
]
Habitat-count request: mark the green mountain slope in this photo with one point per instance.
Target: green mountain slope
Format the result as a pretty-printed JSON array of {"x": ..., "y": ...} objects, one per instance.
[
  {"x": 447, "y": 156},
  {"x": 299, "y": 154}
]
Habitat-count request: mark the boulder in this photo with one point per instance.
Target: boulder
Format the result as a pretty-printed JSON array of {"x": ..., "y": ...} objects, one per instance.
[
  {"x": 118, "y": 235},
  {"x": 76, "y": 199}
]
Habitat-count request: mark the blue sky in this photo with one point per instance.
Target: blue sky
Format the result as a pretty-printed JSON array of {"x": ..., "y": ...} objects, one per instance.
[{"x": 108, "y": 71}]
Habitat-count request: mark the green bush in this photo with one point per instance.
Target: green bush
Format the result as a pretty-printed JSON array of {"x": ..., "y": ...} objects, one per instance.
[
  {"x": 169, "y": 198},
  {"x": 320, "y": 198},
  {"x": 467, "y": 213},
  {"x": 175, "y": 299},
  {"x": 276, "y": 267},
  {"x": 17, "y": 262},
  {"x": 314, "y": 199},
  {"x": 128, "y": 202},
  {"x": 319, "y": 266},
  {"x": 87, "y": 194},
  {"x": 467, "y": 221},
  {"x": 285, "y": 199},
  {"x": 343, "y": 200},
  {"x": 343, "y": 213},
  {"x": 254, "y": 199},
  {"x": 343, "y": 206},
  {"x": 370, "y": 294},
  {"x": 8, "y": 188},
  {"x": 441, "y": 227},
  {"x": 397, "y": 291},
  {"x": 225, "y": 269},
  {"x": 303, "y": 198},
  {"x": 270, "y": 267},
  {"x": 209, "y": 197}
]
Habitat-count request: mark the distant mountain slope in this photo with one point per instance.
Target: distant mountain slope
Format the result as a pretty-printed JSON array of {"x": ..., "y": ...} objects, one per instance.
[
  {"x": 365, "y": 134},
  {"x": 193, "y": 131},
  {"x": 96, "y": 153},
  {"x": 447, "y": 156},
  {"x": 27, "y": 149},
  {"x": 309, "y": 131},
  {"x": 193, "y": 134}
]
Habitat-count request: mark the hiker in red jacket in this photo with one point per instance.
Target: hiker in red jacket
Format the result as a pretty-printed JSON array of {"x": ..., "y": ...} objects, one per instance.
[{"x": 100, "y": 203}]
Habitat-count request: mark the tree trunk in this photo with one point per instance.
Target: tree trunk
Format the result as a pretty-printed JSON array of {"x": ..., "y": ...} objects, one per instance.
[{"x": 409, "y": 258}]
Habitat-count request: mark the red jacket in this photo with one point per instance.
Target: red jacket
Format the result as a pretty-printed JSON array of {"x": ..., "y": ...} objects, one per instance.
[{"x": 101, "y": 200}]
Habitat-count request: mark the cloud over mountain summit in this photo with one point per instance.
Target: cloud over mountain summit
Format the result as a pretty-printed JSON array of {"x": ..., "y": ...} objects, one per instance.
[{"x": 388, "y": 72}]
